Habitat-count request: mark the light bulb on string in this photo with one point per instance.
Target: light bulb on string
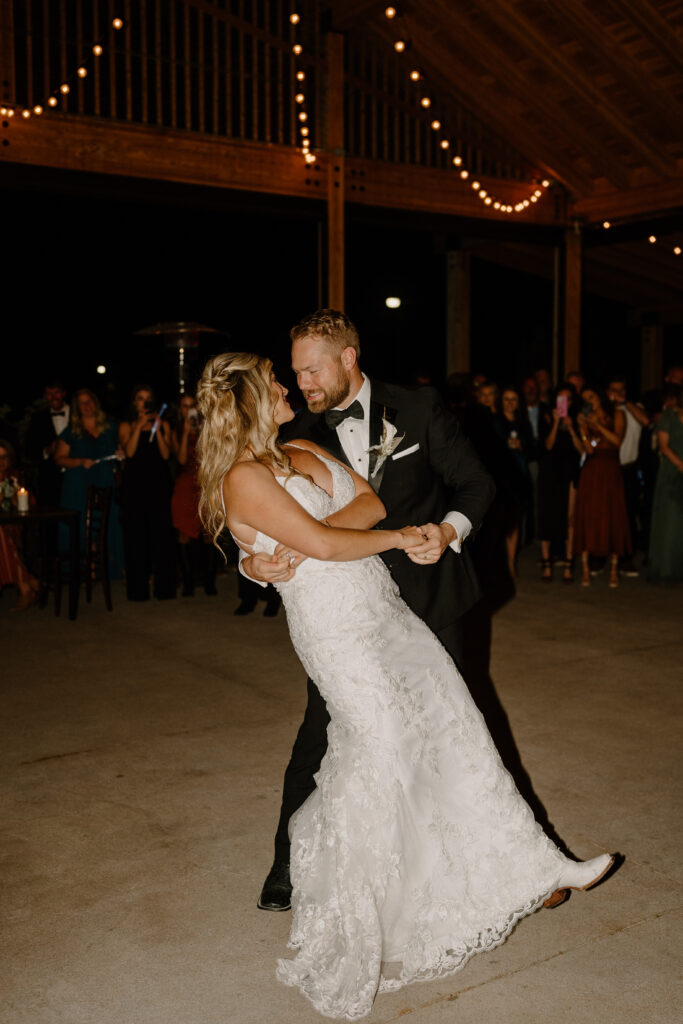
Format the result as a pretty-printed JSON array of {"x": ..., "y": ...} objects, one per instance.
[
  {"x": 390, "y": 12},
  {"x": 117, "y": 24},
  {"x": 483, "y": 193},
  {"x": 488, "y": 201},
  {"x": 464, "y": 175},
  {"x": 304, "y": 130},
  {"x": 52, "y": 101},
  {"x": 65, "y": 88},
  {"x": 303, "y": 116},
  {"x": 297, "y": 49},
  {"x": 299, "y": 98},
  {"x": 457, "y": 161},
  {"x": 415, "y": 76},
  {"x": 652, "y": 239},
  {"x": 399, "y": 46},
  {"x": 606, "y": 224},
  {"x": 677, "y": 250},
  {"x": 545, "y": 183},
  {"x": 436, "y": 125},
  {"x": 97, "y": 50},
  {"x": 26, "y": 114},
  {"x": 295, "y": 18},
  {"x": 476, "y": 186},
  {"x": 38, "y": 109},
  {"x": 300, "y": 75},
  {"x": 426, "y": 102},
  {"x": 444, "y": 143},
  {"x": 82, "y": 72}
]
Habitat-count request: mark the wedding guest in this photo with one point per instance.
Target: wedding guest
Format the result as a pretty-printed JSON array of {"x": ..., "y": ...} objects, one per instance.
[
  {"x": 489, "y": 395},
  {"x": 577, "y": 380},
  {"x": 86, "y": 452},
  {"x": 665, "y": 552},
  {"x": 635, "y": 418},
  {"x": 13, "y": 572},
  {"x": 194, "y": 547},
  {"x": 148, "y": 534},
  {"x": 545, "y": 386},
  {"x": 601, "y": 517},
  {"x": 535, "y": 411},
  {"x": 558, "y": 472},
  {"x": 515, "y": 431},
  {"x": 41, "y": 441}
]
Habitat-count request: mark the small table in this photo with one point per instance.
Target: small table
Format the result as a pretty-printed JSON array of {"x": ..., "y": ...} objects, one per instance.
[{"x": 41, "y": 516}]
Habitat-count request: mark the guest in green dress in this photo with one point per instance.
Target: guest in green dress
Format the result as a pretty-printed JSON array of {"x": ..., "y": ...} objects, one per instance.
[
  {"x": 665, "y": 554},
  {"x": 82, "y": 449}
]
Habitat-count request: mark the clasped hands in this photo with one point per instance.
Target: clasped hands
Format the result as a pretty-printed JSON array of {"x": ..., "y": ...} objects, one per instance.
[{"x": 424, "y": 546}]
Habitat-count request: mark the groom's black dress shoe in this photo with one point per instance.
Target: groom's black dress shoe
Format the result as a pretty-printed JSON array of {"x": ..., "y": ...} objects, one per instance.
[{"x": 277, "y": 889}]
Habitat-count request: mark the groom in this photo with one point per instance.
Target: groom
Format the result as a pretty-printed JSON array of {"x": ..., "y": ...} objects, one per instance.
[{"x": 413, "y": 455}]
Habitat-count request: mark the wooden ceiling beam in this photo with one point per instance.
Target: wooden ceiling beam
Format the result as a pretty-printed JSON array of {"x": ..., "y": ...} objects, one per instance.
[
  {"x": 631, "y": 203},
  {"x": 522, "y": 29},
  {"x": 646, "y": 18},
  {"x": 439, "y": 49},
  {"x": 592, "y": 37}
]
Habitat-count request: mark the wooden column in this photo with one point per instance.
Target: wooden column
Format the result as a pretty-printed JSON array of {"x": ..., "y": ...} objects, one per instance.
[
  {"x": 335, "y": 174},
  {"x": 651, "y": 357},
  {"x": 457, "y": 312},
  {"x": 572, "y": 300}
]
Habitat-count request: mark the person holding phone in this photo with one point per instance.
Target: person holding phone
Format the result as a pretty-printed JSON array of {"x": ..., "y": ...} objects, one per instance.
[
  {"x": 557, "y": 476},
  {"x": 148, "y": 535},
  {"x": 601, "y": 518}
]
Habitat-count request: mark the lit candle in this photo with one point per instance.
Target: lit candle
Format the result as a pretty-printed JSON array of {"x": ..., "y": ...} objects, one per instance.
[{"x": 22, "y": 500}]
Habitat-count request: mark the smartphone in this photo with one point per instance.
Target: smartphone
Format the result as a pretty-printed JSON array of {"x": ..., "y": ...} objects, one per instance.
[
  {"x": 562, "y": 406},
  {"x": 193, "y": 416}
]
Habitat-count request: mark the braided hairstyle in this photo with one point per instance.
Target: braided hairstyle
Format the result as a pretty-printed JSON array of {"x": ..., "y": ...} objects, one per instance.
[{"x": 236, "y": 399}]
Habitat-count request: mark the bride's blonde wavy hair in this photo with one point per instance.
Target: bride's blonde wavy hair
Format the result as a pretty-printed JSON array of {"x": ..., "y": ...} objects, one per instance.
[{"x": 236, "y": 400}]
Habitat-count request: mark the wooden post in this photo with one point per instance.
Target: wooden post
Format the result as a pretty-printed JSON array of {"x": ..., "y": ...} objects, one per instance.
[
  {"x": 572, "y": 300},
  {"x": 457, "y": 312},
  {"x": 335, "y": 176}
]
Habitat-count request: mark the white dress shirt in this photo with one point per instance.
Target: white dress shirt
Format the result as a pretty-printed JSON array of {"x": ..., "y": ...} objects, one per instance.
[{"x": 628, "y": 450}]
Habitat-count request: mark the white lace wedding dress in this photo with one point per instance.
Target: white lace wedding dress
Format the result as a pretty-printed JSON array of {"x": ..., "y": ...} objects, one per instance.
[{"x": 415, "y": 850}]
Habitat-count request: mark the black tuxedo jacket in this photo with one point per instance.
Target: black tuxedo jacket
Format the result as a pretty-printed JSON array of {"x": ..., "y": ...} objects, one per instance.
[
  {"x": 40, "y": 434},
  {"x": 440, "y": 474}
]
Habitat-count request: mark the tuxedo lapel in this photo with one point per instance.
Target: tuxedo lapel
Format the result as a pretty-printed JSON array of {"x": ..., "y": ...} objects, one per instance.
[{"x": 379, "y": 411}]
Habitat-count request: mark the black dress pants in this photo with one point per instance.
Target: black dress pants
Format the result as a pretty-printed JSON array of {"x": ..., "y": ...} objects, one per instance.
[
  {"x": 311, "y": 743},
  {"x": 149, "y": 548}
]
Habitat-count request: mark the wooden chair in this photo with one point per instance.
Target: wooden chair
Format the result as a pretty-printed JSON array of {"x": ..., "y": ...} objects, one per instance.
[{"x": 96, "y": 546}]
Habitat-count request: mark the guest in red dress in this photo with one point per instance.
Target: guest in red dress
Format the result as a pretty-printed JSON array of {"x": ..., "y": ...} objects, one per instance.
[
  {"x": 13, "y": 572},
  {"x": 193, "y": 544},
  {"x": 601, "y": 517}
]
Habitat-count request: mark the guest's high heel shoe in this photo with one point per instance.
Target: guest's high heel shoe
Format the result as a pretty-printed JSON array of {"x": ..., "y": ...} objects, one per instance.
[{"x": 579, "y": 875}]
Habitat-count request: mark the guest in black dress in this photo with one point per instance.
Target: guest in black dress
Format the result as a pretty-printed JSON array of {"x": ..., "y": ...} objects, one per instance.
[
  {"x": 148, "y": 534},
  {"x": 512, "y": 425},
  {"x": 558, "y": 472}
]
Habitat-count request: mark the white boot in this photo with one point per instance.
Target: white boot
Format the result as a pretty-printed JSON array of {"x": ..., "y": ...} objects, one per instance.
[{"x": 579, "y": 875}]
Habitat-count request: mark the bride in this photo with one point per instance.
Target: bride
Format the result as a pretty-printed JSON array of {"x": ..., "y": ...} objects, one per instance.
[{"x": 415, "y": 851}]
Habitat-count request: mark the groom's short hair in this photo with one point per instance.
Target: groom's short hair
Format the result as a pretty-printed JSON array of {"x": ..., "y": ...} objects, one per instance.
[{"x": 333, "y": 327}]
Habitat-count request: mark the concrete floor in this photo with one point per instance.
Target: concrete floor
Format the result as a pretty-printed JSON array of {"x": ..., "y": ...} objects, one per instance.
[{"x": 142, "y": 758}]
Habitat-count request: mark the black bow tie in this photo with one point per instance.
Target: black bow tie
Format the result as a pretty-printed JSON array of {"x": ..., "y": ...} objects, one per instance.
[
  {"x": 62, "y": 412},
  {"x": 333, "y": 417}
]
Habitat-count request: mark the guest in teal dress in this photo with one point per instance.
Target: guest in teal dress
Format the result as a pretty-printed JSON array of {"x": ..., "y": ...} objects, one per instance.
[
  {"x": 665, "y": 553},
  {"x": 82, "y": 449}
]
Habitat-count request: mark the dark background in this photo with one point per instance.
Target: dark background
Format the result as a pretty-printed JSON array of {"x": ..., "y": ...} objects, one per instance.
[{"x": 88, "y": 260}]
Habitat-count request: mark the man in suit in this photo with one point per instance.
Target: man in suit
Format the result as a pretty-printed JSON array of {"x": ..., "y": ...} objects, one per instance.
[
  {"x": 41, "y": 441},
  {"x": 412, "y": 453}
]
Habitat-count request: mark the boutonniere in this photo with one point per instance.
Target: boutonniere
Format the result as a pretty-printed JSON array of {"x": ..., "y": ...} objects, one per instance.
[{"x": 388, "y": 444}]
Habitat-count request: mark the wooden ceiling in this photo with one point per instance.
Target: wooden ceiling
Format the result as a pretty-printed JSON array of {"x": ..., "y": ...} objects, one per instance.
[{"x": 591, "y": 93}]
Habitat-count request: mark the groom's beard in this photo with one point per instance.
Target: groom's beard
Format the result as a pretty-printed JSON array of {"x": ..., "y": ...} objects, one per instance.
[{"x": 337, "y": 392}]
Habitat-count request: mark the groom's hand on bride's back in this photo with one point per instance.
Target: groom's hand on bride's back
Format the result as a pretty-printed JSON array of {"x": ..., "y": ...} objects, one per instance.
[{"x": 273, "y": 568}]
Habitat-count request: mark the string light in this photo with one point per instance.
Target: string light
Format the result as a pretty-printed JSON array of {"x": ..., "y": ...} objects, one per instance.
[
  {"x": 300, "y": 95},
  {"x": 652, "y": 239},
  {"x": 677, "y": 250},
  {"x": 65, "y": 88},
  {"x": 606, "y": 224},
  {"x": 444, "y": 144}
]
